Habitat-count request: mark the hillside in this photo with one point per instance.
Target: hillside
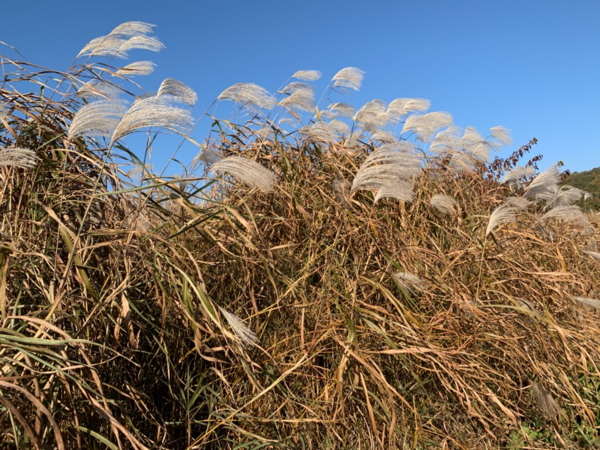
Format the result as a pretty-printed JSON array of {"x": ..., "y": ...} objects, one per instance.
[{"x": 588, "y": 181}]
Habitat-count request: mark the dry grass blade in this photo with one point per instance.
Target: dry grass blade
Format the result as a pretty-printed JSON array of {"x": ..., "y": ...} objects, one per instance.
[{"x": 250, "y": 172}]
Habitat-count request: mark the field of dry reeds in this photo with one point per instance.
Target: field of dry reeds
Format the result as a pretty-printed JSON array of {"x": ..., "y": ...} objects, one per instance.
[{"x": 320, "y": 278}]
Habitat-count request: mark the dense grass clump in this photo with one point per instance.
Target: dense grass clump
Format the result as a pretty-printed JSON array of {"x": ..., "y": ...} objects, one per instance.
[{"x": 363, "y": 281}]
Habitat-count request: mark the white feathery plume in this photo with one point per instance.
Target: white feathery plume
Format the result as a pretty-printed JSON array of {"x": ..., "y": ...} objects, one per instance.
[
  {"x": 545, "y": 401},
  {"x": 369, "y": 111},
  {"x": 348, "y": 78},
  {"x": 411, "y": 283},
  {"x": 18, "y": 157},
  {"x": 565, "y": 195},
  {"x": 208, "y": 157},
  {"x": 384, "y": 136},
  {"x": 297, "y": 86},
  {"x": 99, "y": 89},
  {"x": 248, "y": 94},
  {"x": 501, "y": 215},
  {"x": 502, "y": 135},
  {"x": 5, "y": 110},
  {"x": 460, "y": 162},
  {"x": 178, "y": 91},
  {"x": 339, "y": 127},
  {"x": 132, "y": 28},
  {"x": 520, "y": 203},
  {"x": 587, "y": 302},
  {"x": 125, "y": 37},
  {"x": 386, "y": 166},
  {"x": 476, "y": 145},
  {"x": 444, "y": 204},
  {"x": 544, "y": 182},
  {"x": 403, "y": 106},
  {"x": 319, "y": 132},
  {"x": 307, "y": 75},
  {"x": 153, "y": 112},
  {"x": 342, "y": 109},
  {"x": 352, "y": 142},
  {"x": 301, "y": 100},
  {"x": 291, "y": 120},
  {"x": 517, "y": 173},
  {"x": 446, "y": 140},
  {"x": 239, "y": 328},
  {"x": 137, "y": 68},
  {"x": 568, "y": 212},
  {"x": 586, "y": 195},
  {"x": 248, "y": 171},
  {"x": 425, "y": 126},
  {"x": 398, "y": 189},
  {"x": 99, "y": 118},
  {"x": 594, "y": 255}
]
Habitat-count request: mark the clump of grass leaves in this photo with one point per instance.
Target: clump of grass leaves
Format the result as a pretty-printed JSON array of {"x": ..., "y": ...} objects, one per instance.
[{"x": 317, "y": 278}]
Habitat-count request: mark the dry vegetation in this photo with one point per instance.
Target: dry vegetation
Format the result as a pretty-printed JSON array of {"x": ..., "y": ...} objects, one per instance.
[{"x": 412, "y": 306}]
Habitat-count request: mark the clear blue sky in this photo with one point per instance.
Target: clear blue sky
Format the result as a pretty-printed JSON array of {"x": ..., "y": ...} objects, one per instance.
[{"x": 531, "y": 66}]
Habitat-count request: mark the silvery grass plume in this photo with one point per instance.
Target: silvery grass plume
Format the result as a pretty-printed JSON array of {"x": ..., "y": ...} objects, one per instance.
[
  {"x": 546, "y": 181},
  {"x": 411, "y": 283},
  {"x": 248, "y": 95},
  {"x": 5, "y": 110},
  {"x": 348, "y": 78},
  {"x": 240, "y": 329},
  {"x": 18, "y": 157},
  {"x": 127, "y": 36},
  {"x": 318, "y": 132},
  {"x": 425, "y": 126},
  {"x": 446, "y": 141},
  {"x": 99, "y": 118},
  {"x": 154, "y": 112},
  {"x": 399, "y": 189},
  {"x": 520, "y": 203},
  {"x": 501, "y": 215},
  {"x": 248, "y": 171},
  {"x": 301, "y": 97},
  {"x": 563, "y": 196},
  {"x": 383, "y": 136},
  {"x": 518, "y": 173},
  {"x": 403, "y": 106},
  {"x": 177, "y": 91},
  {"x": 594, "y": 255},
  {"x": 338, "y": 110},
  {"x": 589, "y": 303},
  {"x": 545, "y": 401},
  {"x": 99, "y": 89},
  {"x": 569, "y": 212},
  {"x": 461, "y": 162},
  {"x": 444, "y": 204},
  {"x": 473, "y": 143},
  {"x": 307, "y": 75},
  {"x": 388, "y": 166},
  {"x": 502, "y": 135},
  {"x": 339, "y": 127},
  {"x": 137, "y": 68},
  {"x": 369, "y": 111}
]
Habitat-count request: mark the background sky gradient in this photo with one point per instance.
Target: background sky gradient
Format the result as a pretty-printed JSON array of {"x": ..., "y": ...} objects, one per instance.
[{"x": 531, "y": 66}]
